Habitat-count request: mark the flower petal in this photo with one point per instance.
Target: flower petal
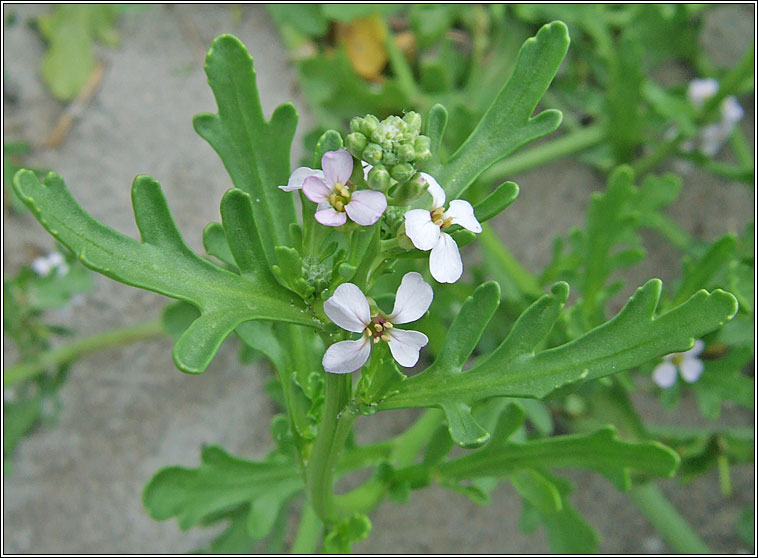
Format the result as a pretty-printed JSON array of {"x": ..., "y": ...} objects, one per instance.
[
  {"x": 366, "y": 169},
  {"x": 696, "y": 349},
  {"x": 445, "y": 260},
  {"x": 316, "y": 190},
  {"x": 463, "y": 215},
  {"x": 347, "y": 356},
  {"x": 330, "y": 217},
  {"x": 421, "y": 229},
  {"x": 298, "y": 176},
  {"x": 338, "y": 166},
  {"x": 665, "y": 375},
  {"x": 366, "y": 207},
  {"x": 414, "y": 296},
  {"x": 435, "y": 190},
  {"x": 348, "y": 308},
  {"x": 405, "y": 345},
  {"x": 691, "y": 368}
]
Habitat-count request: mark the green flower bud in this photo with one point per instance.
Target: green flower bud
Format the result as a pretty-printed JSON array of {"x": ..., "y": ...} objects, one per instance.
[
  {"x": 421, "y": 146},
  {"x": 389, "y": 158},
  {"x": 406, "y": 153},
  {"x": 406, "y": 193},
  {"x": 356, "y": 143},
  {"x": 402, "y": 172},
  {"x": 369, "y": 125},
  {"x": 356, "y": 123},
  {"x": 379, "y": 178},
  {"x": 413, "y": 119},
  {"x": 372, "y": 154}
]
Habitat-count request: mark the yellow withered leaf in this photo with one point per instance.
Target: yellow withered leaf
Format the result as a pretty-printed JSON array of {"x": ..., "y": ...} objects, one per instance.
[{"x": 364, "y": 42}]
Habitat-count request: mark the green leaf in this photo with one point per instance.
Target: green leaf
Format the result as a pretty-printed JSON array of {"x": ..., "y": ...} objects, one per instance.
[
  {"x": 215, "y": 244},
  {"x": 234, "y": 539},
  {"x": 254, "y": 151},
  {"x": 567, "y": 531},
  {"x": 163, "y": 263},
  {"x": 508, "y": 124},
  {"x": 18, "y": 419},
  {"x": 500, "y": 198},
  {"x": 723, "y": 380},
  {"x": 340, "y": 538},
  {"x": 698, "y": 274},
  {"x": 746, "y": 526},
  {"x": 177, "y": 317},
  {"x": 222, "y": 482},
  {"x": 536, "y": 489},
  {"x": 599, "y": 451},
  {"x": 517, "y": 368},
  {"x": 623, "y": 99}
]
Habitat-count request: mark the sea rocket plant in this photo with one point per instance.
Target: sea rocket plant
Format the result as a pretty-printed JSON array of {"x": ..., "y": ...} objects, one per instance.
[
  {"x": 690, "y": 367},
  {"x": 425, "y": 229},
  {"x": 349, "y": 308}
]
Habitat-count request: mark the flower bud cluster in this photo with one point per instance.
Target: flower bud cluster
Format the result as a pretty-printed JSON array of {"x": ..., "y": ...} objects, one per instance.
[
  {"x": 394, "y": 147},
  {"x": 316, "y": 274}
]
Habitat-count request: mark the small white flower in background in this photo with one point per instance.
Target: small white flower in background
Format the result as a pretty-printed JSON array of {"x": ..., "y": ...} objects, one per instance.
[
  {"x": 690, "y": 367},
  {"x": 349, "y": 308},
  {"x": 45, "y": 265},
  {"x": 333, "y": 194},
  {"x": 425, "y": 229},
  {"x": 713, "y": 136},
  {"x": 700, "y": 90}
]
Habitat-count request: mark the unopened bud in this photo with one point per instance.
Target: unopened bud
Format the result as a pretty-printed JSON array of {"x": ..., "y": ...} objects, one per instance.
[
  {"x": 408, "y": 192},
  {"x": 413, "y": 119},
  {"x": 402, "y": 172},
  {"x": 369, "y": 125},
  {"x": 406, "y": 153},
  {"x": 372, "y": 154},
  {"x": 389, "y": 158},
  {"x": 379, "y": 178},
  {"x": 355, "y": 124},
  {"x": 421, "y": 146},
  {"x": 356, "y": 143}
]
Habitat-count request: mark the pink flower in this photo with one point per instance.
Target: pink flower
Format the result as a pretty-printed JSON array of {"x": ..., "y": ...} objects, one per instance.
[
  {"x": 689, "y": 366},
  {"x": 425, "y": 229},
  {"x": 335, "y": 196},
  {"x": 349, "y": 309}
]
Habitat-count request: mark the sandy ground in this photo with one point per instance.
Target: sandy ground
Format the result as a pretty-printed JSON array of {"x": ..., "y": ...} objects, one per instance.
[{"x": 127, "y": 412}]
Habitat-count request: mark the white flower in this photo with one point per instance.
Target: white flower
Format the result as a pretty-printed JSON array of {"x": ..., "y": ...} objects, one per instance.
[
  {"x": 45, "y": 265},
  {"x": 425, "y": 229},
  {"x": 713, "y": 136},
  {"x": 332, "y": 192},
  {"x": 690, "y": 367},
  {"x": 700, "y": 90},
  {"x": 349, "y": 309}
]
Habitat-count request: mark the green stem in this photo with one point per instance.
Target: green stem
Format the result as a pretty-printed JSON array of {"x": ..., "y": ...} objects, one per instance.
[
  {"x": 333, "y": 431},
  {"x": 404, "y": 450},
  {"x": 667, "y": 521},
  {"x": 33, "y": 366},
  {"x": 308, "y": 532},
  {"x": 573, "y": 142}
]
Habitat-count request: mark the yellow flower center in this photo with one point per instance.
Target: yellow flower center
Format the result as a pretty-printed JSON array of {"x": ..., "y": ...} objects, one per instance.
[
  {"x": 439, "y": 220},
  {"x": 339, "y": 197},
  {"x": 378, "y": 328},
  {"x": 677, "y": 359}
]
